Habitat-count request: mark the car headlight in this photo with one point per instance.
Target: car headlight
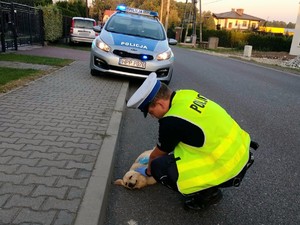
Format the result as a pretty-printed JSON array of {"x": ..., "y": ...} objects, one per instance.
[
  {"x": 101, "y": 45},
  {"x": 165, "y": 55}
]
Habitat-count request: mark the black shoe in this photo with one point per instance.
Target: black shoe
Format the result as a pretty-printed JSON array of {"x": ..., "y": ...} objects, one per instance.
[{"x": 197, "y": 202}]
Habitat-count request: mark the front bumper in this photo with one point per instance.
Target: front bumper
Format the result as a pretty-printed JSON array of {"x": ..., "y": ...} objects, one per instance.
[{"x": 107, "y": 62}]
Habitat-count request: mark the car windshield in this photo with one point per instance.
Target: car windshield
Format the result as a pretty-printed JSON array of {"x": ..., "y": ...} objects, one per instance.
[
  {"x": 83, "y": 24},
  {"x": 136, "y": 26}
]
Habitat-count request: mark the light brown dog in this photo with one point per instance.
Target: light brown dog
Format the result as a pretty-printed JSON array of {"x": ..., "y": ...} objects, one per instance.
[{"x": 133, "y": 179}]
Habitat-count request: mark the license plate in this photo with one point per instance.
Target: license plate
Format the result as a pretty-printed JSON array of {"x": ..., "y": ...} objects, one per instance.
[
  {"x": 132, "y": 63},
  {"x": 84, "y": 33}
]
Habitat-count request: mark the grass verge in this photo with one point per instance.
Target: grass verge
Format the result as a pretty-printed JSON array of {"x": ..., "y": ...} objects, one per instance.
[
  {"x": 10, "y": 74},
  {"x": 35, "y": 59},
  {"x": 11, "y": 78},
  {"x": 238, "y": 54}
]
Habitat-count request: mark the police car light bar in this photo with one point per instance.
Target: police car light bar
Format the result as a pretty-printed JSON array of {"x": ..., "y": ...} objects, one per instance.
[{"x": 124, "y": 8}]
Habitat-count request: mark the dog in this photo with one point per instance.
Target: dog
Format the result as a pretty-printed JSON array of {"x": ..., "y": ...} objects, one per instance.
[{"x": 133, "y": 179}]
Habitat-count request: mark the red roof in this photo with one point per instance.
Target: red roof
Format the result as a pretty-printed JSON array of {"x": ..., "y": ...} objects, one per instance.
[
  {"x": 236, "y": 14},
  {"x": 108, "y": 12}
]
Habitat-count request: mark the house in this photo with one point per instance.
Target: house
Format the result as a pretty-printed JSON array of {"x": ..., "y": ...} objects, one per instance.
[
  {"x": 295, "y": 46},
  {"x": 107, "y": 14},
  {"x": 236, "y": 19}
]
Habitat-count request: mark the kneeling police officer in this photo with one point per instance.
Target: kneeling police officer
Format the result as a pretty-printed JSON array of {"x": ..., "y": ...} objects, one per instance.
[{"x": 200, "y": 148}]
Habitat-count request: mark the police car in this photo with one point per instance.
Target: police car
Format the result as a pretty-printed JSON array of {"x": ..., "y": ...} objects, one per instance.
[{"x": 133, "y": 43}]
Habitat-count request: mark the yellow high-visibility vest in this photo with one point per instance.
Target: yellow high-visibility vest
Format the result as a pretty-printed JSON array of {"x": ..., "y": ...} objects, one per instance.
[{"x": 226, "y": 146}]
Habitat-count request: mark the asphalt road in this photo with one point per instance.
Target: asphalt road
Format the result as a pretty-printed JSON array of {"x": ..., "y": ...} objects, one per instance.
[{"x": 266, "y": 103}]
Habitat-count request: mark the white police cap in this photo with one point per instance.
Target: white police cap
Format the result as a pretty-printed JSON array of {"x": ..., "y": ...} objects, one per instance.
[{"x": 145, "y": 94}]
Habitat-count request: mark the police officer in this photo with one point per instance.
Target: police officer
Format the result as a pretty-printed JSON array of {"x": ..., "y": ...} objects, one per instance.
[{"x": 200, "y": 147}]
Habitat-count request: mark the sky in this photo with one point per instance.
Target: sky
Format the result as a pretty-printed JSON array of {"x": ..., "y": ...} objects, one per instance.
[{"x": 279, "y": 10}]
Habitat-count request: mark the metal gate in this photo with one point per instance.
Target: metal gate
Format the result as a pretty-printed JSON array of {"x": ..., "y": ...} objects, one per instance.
[{"x": 20, "y": 25}]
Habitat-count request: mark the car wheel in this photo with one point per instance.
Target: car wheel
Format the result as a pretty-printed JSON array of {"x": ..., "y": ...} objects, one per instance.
[
  {"x": 94, "y": 72},
  {"x": 167, "y": 82}
]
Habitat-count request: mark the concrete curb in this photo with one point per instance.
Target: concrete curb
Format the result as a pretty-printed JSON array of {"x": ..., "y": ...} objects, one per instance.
[{"x": 93, "y": 207}]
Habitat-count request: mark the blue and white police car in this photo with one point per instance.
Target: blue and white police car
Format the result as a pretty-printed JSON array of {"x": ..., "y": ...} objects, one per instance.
[{"x": 133, "y": 43}]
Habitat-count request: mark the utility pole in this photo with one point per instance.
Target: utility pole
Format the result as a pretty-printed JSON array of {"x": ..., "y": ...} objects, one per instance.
[
  {"x": 200, "y": 21},
  {"x": 167, "y": 16},
  {"x": 194, "y": 36},
  {"x": 183, "y": 21},
  {"x": 86, "y": 8},
  {"x": 161, "y": 10}
]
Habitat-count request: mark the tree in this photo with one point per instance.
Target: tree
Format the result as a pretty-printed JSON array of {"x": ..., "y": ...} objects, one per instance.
[
  {"x": 72, "y": 8},
  {"x": 291, "y": 25},
  {"x": 184, "y": 11},
  {"x": 208, "y": 21},
  {"x": 174, "y": 18},
  {"x": 275, "y": 23},
  {"x": 153, "y": 5},
  {"x": 99, "y": 6},
  {"x": 135, "y": 4}
]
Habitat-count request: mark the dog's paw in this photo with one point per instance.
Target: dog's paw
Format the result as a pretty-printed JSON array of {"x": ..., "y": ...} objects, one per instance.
[{"x": 119, "y": 182}]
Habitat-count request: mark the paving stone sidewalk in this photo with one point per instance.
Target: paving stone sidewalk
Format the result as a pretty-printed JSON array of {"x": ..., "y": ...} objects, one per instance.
[{"x": 51, "y": 134}]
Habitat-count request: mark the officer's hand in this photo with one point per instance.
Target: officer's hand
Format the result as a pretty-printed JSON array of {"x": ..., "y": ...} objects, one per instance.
[{"x": 142, "y": 170}]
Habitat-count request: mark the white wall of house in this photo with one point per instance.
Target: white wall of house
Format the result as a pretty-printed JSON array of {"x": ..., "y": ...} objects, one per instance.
[
  {"x": 236, "y": 24},
  {"x": 295, "y": 47}
]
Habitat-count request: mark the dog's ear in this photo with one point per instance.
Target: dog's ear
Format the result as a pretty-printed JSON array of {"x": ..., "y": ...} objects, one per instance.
[{"x": 119, "y": 182}]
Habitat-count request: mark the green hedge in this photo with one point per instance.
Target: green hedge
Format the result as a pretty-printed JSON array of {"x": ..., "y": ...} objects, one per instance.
[
  {"x": 238, "y": 39},
  {"x": 260, "y": 42},
  {"x": 67, "y": 12},
  {"x": 53, "y": 26},
  {"x": 224, "y": 36},
  {"x": 270, "y": 42}
]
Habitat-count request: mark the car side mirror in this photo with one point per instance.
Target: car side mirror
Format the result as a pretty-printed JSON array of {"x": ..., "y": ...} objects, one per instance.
[
  {"x": 97, "y": 29},
  {"x": 172, "y": 41}
]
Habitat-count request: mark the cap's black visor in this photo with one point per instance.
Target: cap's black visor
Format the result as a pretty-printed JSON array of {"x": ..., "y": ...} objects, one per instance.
[{"x": 145, "y": 110}]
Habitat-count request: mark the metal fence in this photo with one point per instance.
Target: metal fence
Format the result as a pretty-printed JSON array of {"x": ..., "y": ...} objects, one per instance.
[
  {"x": 67, "y": 21},
  {"x": 20, "y": 25}
]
